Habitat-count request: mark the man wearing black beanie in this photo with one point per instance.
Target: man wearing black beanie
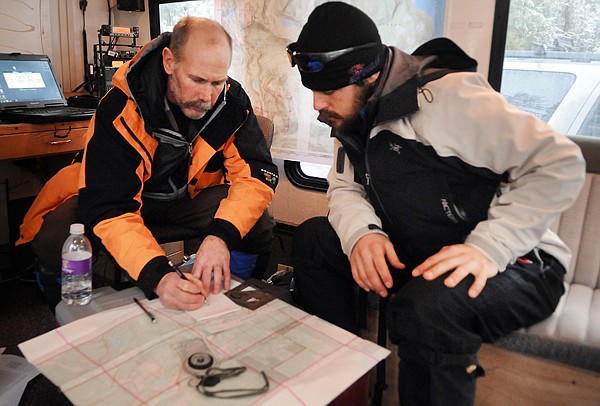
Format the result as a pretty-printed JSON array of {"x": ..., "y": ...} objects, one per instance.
[{"x": 441, "y": 196}]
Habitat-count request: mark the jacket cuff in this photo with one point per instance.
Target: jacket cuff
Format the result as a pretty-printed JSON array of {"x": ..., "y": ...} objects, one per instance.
[
  {"x": 151, "y": 275},
  {"x": 225, "y": 231},
  {"x": 350, "y": 242},
  {"x": 500, "y": 258}
]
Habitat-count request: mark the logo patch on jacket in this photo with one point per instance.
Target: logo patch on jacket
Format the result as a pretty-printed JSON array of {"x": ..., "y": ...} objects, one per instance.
[
  {"x": 453, "y": 212},
  {"x": 395, "y": 148},
  {"x": 270, "y": 177}
]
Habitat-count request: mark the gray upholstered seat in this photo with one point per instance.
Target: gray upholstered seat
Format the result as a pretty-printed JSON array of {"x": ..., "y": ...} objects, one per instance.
[{"x": 572, "y": 334}]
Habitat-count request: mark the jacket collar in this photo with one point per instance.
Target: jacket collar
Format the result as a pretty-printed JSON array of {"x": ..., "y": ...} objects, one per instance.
[
  {"x": 402, "y": 75},
  {"x": 144, "y": 80}
]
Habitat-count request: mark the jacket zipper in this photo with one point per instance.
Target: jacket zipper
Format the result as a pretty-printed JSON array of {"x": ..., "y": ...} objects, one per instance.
[{"x": 369, "y": 182}]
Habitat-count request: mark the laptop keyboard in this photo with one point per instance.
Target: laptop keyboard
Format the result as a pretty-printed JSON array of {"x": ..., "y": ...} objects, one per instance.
[{"x": 55, "y": 110}]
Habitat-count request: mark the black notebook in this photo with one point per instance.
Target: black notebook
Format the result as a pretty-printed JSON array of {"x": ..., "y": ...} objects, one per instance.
[{"x": 30, "y": 93}]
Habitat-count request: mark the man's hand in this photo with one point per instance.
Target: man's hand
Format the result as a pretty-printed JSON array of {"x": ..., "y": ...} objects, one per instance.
[
  {"x": 369, "y": 262},
  {"x": 462, "y": 260},
  {"x": 212, "y": 259},
  {"x": 176, "y": 293}
]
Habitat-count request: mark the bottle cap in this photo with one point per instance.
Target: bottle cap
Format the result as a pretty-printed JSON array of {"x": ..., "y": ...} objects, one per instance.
[{"x": 77, "y": 228}]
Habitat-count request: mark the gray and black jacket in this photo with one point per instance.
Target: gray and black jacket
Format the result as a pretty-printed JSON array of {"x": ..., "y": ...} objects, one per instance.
[{"x": 446, "y": 160}]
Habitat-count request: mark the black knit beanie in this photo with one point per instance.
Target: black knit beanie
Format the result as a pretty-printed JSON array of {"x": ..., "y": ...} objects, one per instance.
[{"x": 333, "y": 26}]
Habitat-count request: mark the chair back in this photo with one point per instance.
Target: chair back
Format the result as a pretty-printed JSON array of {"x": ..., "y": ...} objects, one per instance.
[
  {"x": 579, "y": 226},
  {"x": 267, "y": 127}
]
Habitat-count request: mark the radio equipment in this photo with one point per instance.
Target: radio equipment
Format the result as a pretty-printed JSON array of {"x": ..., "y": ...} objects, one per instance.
[
  {"x": 109, "y": 54},
  {"x": 114, "y": 31}
]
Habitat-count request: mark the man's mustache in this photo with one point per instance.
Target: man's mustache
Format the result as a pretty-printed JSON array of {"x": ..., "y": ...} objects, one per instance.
[
  {"x": 199, "y": 105},
  {"x": 326, "y": 116}
]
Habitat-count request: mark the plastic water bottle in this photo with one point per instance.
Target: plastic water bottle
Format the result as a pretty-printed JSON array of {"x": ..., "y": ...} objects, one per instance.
[{"x": 77, "y": 267}]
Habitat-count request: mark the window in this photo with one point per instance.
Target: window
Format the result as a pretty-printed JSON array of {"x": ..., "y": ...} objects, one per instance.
[
  {"x": 164, "y": 14},
  {"x": 315, "y": 170},
  {"x": 537, "y": 92},
  {"x": 306, "y": 175},
  {"x": 551, "y": 61}
]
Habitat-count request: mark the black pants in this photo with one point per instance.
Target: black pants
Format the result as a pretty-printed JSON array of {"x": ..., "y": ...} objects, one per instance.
[
  {"x": 194, "y": 214},
  {"x": 438, "y": 330}
]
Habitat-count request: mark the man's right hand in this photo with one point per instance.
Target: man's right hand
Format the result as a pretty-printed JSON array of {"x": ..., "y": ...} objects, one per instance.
[
  {"x": 369, "y": 262},
  {"x": 176, "y": 293}
]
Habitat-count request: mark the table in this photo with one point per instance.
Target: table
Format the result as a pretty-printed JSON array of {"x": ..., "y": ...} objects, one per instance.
[
  {"x": 103, "y": 298},
  {"x": 22, "y": 140},
  {"x": 118, "y": 356}
]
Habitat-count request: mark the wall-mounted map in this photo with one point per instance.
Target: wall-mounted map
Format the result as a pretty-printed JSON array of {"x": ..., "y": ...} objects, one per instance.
[{"x": 261, "y": 29}]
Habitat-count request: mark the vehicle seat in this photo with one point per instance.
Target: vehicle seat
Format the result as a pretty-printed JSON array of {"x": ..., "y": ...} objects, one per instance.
[
  {"x": 557, "y": 361},
  {"x": 572, "y": 334}
]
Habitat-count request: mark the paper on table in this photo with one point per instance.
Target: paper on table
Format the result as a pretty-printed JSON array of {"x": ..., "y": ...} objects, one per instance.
[{"x": 216, "y": 305}]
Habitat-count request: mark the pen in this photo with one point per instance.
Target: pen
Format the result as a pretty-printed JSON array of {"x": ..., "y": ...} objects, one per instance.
[
  {"x": 178, "y": 271},
  {"x": 137, "y": 302},
  {"x": 182, "y": 276}
]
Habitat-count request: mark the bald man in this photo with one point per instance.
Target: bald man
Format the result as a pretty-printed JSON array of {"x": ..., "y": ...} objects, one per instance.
[{"x": 176, "y": 142}]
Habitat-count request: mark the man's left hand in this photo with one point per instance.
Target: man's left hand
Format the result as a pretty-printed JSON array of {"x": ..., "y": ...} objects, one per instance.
[
  {"x": 462, "y": 260},
  {"x": 212, "y": 260}
]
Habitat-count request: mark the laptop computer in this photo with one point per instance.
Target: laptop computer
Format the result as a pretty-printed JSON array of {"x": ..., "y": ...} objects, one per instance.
[{"x": 30, "y": 93}]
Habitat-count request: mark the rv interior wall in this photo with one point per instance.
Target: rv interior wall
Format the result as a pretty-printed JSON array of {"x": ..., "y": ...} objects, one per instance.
[
  {"x": 292, "y": 205},
  {"x": 96, "y": 15},
  {"x": 55, "y": 28}
]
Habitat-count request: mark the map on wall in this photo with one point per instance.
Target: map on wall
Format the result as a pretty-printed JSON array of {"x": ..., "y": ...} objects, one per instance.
[
  {"x": 24, "y": 26},
  {"x": 261, "y": 29}
]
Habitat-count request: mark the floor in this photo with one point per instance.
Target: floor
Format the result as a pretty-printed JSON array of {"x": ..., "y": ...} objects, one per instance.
[{"x": 26, "y": 315}]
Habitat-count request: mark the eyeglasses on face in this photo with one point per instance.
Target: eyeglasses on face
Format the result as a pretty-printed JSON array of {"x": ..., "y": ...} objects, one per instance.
[{"x": 316, "y": 61}]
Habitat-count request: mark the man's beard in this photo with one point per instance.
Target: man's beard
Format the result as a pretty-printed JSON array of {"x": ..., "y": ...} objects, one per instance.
[
  {"x": 345, "y": 123},
  {"x": 328, "y": 117}
]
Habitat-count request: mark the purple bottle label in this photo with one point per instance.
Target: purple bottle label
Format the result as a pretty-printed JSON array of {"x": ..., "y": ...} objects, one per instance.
[{"x": 76, "y": 267}]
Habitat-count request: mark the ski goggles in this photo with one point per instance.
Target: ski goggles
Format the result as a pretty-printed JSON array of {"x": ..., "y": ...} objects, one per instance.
[{"x": 316, "y": 61}]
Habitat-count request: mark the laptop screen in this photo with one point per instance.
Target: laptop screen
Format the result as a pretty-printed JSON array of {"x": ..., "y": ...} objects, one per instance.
[{"x": 28, "y": 81}]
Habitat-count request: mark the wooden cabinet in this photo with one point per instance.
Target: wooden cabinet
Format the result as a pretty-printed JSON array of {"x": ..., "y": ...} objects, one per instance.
[{"x": 32, "y": 140}]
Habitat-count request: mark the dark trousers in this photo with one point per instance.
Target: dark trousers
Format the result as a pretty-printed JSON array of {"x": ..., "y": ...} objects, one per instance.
[
  {"x": 438, "y": 330},
  {"x": 193, "y": 214}
]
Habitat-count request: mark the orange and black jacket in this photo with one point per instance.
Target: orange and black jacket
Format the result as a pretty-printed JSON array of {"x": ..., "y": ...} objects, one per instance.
[{"x": 132, "y": 151}]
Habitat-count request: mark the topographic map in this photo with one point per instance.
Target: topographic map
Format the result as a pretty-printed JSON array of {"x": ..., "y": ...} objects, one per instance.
[{"x": 119, "y": 357}]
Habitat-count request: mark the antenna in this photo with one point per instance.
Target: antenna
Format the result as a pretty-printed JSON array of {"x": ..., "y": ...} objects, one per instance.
[
  {"x": 86, "y": 76},
  {"x": 109, "y": 12}
]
